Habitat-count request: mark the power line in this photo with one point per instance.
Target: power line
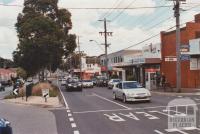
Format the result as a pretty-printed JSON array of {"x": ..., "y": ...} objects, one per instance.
[
  {"x": 123, "y": 10},
  {"x": 118, "y": 5}
]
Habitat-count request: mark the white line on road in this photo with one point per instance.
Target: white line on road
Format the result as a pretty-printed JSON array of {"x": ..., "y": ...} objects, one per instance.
[
  {"x": 161, "y": 113},
  {"x": 68, "y": 111},
  {"x": 69, "y": 115},
  {"x": 98, "y": 111},
  {"x": 111, "y": 101},
  {"x": 66, "y": 105},
  {"x": 158, "y": 132},
  {"x": 73, "y": 125},
  {"x": 76, "y": 132},
  {"x": 71, "y": 119}
]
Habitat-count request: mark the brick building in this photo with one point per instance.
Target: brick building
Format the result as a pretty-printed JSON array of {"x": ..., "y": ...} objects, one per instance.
[{"x": 190, "y": 78}]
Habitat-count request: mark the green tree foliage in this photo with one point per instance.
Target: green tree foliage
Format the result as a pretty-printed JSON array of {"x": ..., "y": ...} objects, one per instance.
[
  {"x": 21, "y": 73},
  {"x": 43, "y": 35}
]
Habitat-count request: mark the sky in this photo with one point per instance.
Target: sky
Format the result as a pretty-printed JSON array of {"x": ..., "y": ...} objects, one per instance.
[{"x": 128, "y": 26}]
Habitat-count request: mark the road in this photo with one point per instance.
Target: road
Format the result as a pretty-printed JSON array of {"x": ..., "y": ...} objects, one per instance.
[{"x": 93, "y": 111}]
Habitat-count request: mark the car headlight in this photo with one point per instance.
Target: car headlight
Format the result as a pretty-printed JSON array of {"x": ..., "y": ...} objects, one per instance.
[
  {"x": 70, "y": 85},
  {"x": 79, "y": 84}
]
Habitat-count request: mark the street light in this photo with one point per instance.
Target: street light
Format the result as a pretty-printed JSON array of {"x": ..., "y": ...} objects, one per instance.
[{"x": 99, "y": 45}]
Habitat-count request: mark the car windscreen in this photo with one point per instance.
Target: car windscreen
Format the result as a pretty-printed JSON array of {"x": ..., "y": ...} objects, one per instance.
[
  {"x": 116, "y": 80},
  {"x": 131, "y": 85}
]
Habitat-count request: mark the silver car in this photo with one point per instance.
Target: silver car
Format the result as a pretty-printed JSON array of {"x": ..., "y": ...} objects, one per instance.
[{"x": 131, "y": 91}]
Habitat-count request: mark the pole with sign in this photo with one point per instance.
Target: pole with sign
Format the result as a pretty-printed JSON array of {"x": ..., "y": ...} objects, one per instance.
[{"x": 45, "y": 94}]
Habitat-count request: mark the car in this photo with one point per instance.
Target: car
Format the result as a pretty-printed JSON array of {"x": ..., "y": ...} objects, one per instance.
[
  {"x": 131, "y": 91},
  {"x": 63, "y": 82},
  {"x": 5, "y": 127},
  {"x": 2, "y": 88},
  {"x": 87, "y": 83},
  {"x": 73, "y": 85},
  {"x": 102, "y": 82},
  {"x": 30, "y": 80},
  {"x": 6, "y": 82},
  {"x": 112, "y": 83}
]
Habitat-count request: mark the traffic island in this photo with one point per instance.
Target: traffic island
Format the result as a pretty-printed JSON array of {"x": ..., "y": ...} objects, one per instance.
[{"x": 42, "y": 94}]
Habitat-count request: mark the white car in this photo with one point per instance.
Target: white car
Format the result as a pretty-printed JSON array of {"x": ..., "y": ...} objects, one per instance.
[
  {"x": 63, "y": 82},
  {"x": 87, "y": 83},
  {"x": 131, "y": 91},
  {"x": 112, "y": 83}
]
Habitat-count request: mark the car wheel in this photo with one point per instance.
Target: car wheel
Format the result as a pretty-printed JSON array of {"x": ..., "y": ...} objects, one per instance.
[
  {"x": 124, "y": 98},
  {"x": 114, "y": 96}
]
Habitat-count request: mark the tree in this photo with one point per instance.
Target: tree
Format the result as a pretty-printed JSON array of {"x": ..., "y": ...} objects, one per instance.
[
  {"x": 43, "y": 36},
  {"x": 21, "y": 73}
]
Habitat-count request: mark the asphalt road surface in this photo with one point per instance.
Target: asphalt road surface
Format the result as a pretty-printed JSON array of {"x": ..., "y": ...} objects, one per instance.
[{"x": 93, "y": 111}]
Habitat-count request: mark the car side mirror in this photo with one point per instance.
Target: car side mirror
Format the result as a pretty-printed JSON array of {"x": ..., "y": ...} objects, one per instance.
[{"x": 7, "y": 123}]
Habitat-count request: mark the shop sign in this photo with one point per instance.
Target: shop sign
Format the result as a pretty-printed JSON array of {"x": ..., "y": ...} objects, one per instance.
[
  {"x": 138, "y": 61},
  {"x": 169, "y": 59},
  {"x": 185, "y": 57}
]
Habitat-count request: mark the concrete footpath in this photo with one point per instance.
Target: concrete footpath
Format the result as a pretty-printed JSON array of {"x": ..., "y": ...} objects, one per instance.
[
  {"x": 52, "y": 102},
  {"x": 28, "y": 119},
  {"x": 173, "y": 92}
]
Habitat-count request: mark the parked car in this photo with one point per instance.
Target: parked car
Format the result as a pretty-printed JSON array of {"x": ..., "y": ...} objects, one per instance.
[
  {"x": 87, "y": 83},
  {"x": 63, "y": 82},
  {"x": 5, "y": 127},
  {"x": 94, "y": 80},
  {"x": 2, "y": 88},
  {"x": 102, "y": 82},
  {"x": 6, "y": 83},
  {"x": 73, "y": 85},
  {"x": 30, "y": 80},
  {"x": 112, "y": 83},
  {"x": 131, "y": 91}
]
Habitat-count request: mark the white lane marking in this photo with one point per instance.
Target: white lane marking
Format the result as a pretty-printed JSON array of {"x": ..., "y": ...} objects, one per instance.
[
  {"x": 97, "y": 111},
  {"x": 69, "y": 115},
  {"x": 158, "y": 132},
  {"x": 130, "y": 109},
  {"x": 76, "y": 132},
  {"x": 130, "y": 115},
  {"x": 149, "y": 116},
  {"x": 111, "y": 101},
  {"x": 66, "y": 105},
  {"x": 71, "y": 119},
  {"x": 175, "y": 130},
  {"x": 73, "y": 125},
  {"x": 176, "y": 112},
  {"x": 68, "y": 111},
  {"x": 161, "y": 113},
  {"x": 114, "y": 117}
]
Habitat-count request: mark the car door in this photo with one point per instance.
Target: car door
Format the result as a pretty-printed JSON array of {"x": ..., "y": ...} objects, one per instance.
[{"x": 120, "y": 90}]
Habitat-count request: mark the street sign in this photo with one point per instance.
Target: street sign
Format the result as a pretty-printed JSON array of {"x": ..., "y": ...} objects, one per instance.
[
  {"x": 45, "y": 93},
  {"x": 184, "y": 48},
  {"x": 185, "y": 57},
  {"x": 16, "y": 91}
]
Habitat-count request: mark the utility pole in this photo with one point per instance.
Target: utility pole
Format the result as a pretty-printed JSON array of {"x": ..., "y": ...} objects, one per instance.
[
  {"x": 80, "y": 61},
  {"x": 178, "y": 55},
  {"x": 106, "y": 34}
]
